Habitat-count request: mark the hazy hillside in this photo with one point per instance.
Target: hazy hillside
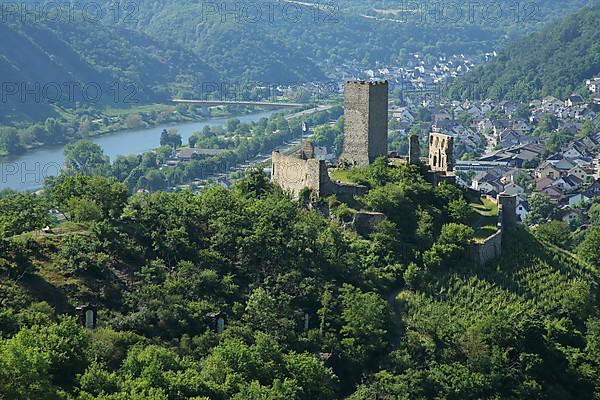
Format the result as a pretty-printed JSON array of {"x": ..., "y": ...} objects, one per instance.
[
  {"x": 294, "y": 41},
  {"x": 64, "y": 63},
  {"x": 287, "y": 49},
  {"x": 555, "y": 62}
]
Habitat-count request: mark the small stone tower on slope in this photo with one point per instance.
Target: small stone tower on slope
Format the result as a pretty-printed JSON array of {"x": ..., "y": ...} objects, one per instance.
[
  {"x": 508, "y": 210},
  {"x": 414, "y": 149}
]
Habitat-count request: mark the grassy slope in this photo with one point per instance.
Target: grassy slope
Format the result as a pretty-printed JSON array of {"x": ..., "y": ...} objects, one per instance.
[{"x": 485, "y": 218}]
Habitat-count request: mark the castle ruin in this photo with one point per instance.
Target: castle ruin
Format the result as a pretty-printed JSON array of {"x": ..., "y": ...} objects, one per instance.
[
  {"x": 365, "y": 122},
  {"x": 441, "y": 153},
  {"x": 414, "y": 149},
  {"x": 491, "y": 247},
  {"x": 294, "y": 174},
  {"x": 507, "y": 206}
]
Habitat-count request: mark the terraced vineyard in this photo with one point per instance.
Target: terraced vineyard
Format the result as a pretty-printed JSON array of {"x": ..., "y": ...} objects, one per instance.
[{"x": 524, "y": 312}]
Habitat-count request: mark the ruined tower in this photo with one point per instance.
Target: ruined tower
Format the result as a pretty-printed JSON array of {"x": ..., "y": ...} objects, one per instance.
[
  {"x": 507, "y": 204},
  {"x": 414, "y": 149},
  {"x": 365, "y": 122},
  {"x": 441, "y": 153}
]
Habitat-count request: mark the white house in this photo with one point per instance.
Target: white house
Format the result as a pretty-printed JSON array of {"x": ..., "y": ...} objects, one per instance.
[
  {"x": 522, "y": 209},
  {"x": 578, "y": 199}
]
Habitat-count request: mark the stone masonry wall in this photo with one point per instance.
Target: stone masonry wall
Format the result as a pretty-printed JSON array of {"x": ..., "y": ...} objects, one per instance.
[
  {"x": 378, "y": 120},
  {"x": 294, "y": 174},
  {"x": 414, "y": 149},
  {"x": 482, "y": 253},
  {"x": 365, "y": 122}
]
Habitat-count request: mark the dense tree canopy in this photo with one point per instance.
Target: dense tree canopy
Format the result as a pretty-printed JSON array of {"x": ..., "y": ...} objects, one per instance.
[
  {"x": 310, "y": 307},
  {"x": 553, "y": 62}
]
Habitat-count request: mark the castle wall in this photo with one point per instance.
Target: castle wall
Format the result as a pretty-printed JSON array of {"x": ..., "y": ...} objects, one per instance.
[
  {"x": 378, "y": 120},
  {"x": 414, "y": 149},
  {"x": 482, "y": 253},
  {"x": 365, "y": 122},
  {"x": 294, "y": 174},
  {"x": 490, "y": 248},
  {"x": 508, "y": 205}
]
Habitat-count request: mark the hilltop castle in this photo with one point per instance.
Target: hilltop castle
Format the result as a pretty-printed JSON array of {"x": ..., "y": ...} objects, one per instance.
[{"x": 365, "y": 139}]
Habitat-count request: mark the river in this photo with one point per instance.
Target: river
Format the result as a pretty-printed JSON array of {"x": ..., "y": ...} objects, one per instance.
[{"x": 27, "y": 171}]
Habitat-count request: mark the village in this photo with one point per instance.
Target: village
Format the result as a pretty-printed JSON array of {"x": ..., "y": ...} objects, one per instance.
[
  {"x": 549, "y": 146},
  {"x": 418, "y": 75}
]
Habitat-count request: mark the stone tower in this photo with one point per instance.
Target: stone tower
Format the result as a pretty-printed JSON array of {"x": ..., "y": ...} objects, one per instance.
[
  {"x": 441, "y": 152},
  {"x": 507, "y": 204},
  {"x": 365, "y": 122},
  {"x": 414, "y": 149}
]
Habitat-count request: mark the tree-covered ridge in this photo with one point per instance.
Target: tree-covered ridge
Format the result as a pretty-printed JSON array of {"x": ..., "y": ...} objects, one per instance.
[
  {"x": 298, "y": 41},
  {"x": 158, "y": 265},
  {"x": 553, "y": 62},
  {"x": 48, "y": 67}
]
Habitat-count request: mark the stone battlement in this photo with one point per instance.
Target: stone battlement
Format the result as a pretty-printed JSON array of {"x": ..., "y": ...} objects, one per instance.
[{"x": 370, "y": 83}]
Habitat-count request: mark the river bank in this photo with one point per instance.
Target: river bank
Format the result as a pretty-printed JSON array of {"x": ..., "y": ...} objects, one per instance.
[
  {"x": 113, "y": 121},
  {"x": 27, "y": 171}
]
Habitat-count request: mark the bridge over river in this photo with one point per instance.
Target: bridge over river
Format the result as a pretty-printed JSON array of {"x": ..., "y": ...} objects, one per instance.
[{"x": 211, "y": 103}]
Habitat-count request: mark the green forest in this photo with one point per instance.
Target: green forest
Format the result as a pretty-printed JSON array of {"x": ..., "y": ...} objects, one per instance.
[
  {"x": 146, "y": 52},
  {"x": 49, "y": 69},
  {"x": 314, "y": 309},
  {"x": 553, "y": 62},
  {"x": 304, "y": 41}
]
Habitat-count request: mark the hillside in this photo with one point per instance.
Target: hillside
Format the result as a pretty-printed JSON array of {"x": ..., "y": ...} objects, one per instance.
[
  {"x": 297, "y": 41},
  {"x": 307, "y": 303},
  {"x": 522, "y": 309},
  {"x": 555, "y": 61},
  {"x": 49, "y": 67}
]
